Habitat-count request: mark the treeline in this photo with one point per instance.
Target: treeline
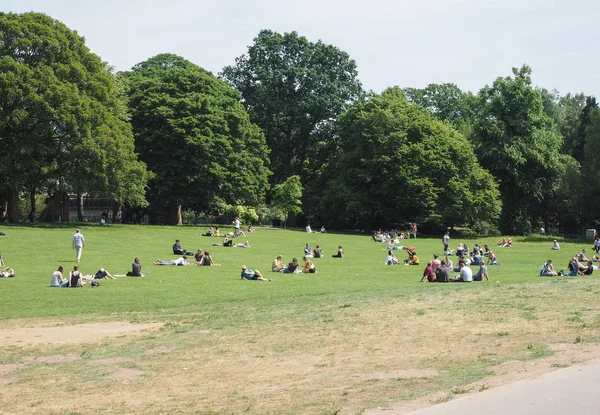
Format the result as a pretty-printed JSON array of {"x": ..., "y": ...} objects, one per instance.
[{"x": 287, "y": 128}]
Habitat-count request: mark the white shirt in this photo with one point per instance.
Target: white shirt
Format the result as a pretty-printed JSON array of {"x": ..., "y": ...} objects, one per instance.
[
  {"x": 466, "y": 273},
  {"x": 78, "y": 240},
  {"x": 236, "y": 224},
  {"x": 180, "y": 261}
]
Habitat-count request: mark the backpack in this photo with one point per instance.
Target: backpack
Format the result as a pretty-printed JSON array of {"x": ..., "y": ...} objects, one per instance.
[{"x": 95, "y": 284}]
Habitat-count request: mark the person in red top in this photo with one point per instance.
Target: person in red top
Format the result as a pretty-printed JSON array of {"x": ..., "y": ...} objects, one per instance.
[
  {"x": 428, "y": 273},
  {"x": 414, "y": 230}
]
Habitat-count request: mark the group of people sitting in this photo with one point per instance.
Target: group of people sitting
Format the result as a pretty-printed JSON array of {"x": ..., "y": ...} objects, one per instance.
[
  {"x": 201, "y": 258},
  {"x": 318, "y": 252},
  {"x": 439, "y": 271},
  {"x": 294, "y": 266},
  {"x": 392, "y": 235},
  {"x": 77, "y": 279},
  {"x": 505, "y": 243},
  {"x": 578, "y": 265}
]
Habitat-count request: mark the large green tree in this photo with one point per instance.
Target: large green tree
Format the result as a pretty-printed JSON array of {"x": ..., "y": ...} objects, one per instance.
[
  {"x": 398, "y": 163},
  {"x": 196, "y": 137},
  {"x": 60, "y": 126},
  {"x": 446, "y": 102},
  {"x": 519, "y": 144},
  {"x": 292, "y": 89}
]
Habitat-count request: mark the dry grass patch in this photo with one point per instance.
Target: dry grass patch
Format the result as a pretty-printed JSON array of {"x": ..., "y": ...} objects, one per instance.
[{"x": 343, "y": 358}]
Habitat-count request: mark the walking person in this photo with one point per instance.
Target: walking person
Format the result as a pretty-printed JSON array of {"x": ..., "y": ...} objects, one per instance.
[{"x": 78, "y": 243}]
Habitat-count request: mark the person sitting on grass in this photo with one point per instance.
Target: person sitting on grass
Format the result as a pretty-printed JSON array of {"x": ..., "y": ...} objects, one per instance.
[
  {"x": 308, "y": 250},
  {"x": 292, "y": 267},
  {"x": 466, "y": 274},
  {"x": 250, "y": 228},
  {"x": 177, "y": 249},
  {"x": 208, "y": 260},
  {"x": 199, "y": 257},
  {"x": 436, "y": 263},
  {"x": 57, "y": 279},
  {"x": 252, "y": 275},
  {"x": 75, "y": 278},
  {"x": 589, "y": 269},
  {"x": 442, "y": 274},
  {"x": 391, "y": 259},
  {"x": 318, "y": 252},
  {"x": 492, "y": 259},
  {"x": 340, "y": 253},
  {"x": 136, "y": 269},
  {"x": 555, "y": 246},
  {"x": 547, "y": 270},
  {"x": 413, "y": 259},
  {"x": 309, "y": 267},
  {"x": 574, "y": 267},
  {"x": 581, "y": 256},
  {"x": 428, "y": 273},
  {"x": 180, "y": 261},
  {"x": 277, "y": 265},
  {"x": 477, "y": 258},
  {"x": 482, "y": 274},
  {"x": 449, "y": 262},
  {"x": 217, "y": 232},
  {"x": 227, "y": 242},
  {"x": 209, "y": 232}
]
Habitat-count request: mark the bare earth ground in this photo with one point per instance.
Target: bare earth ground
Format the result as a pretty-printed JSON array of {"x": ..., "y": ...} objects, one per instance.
[{"x": 402, "y": 353}]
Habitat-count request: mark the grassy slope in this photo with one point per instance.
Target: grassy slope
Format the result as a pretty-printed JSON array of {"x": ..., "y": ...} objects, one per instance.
[{"x": 36, "y": 252}]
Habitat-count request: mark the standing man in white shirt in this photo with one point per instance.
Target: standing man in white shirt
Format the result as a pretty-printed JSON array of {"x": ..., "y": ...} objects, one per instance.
[
  {"x": 446, "y": 241},
  {"x": 78, "y": 243}
]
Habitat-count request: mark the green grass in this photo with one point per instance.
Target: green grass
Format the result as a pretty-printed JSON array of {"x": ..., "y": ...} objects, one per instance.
[{"x": 35, "y": 252}]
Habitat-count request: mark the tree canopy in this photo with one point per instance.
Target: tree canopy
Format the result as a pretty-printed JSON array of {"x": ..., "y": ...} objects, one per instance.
[
  {"x": 519, "y": 144},
  {"x": 292, "y": 88},
  {"x": 59, "y": 121},
  {"x": 398, "y": 164},
  {"x": 194, "y": 134}
]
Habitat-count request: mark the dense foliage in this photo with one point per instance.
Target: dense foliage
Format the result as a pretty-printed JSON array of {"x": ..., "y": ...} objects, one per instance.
[
  {"x": 61, "y": 128},
  {"x": 513, "y": 155},
  {"x": 195, "y": 136},
  {"x": 398, "y": 164}
]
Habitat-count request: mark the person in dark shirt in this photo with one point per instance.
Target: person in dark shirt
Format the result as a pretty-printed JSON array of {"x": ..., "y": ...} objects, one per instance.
[{"x": 136, "y": 269}]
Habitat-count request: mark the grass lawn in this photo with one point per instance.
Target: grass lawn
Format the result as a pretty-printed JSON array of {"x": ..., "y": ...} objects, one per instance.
[{"x": 356, "y": 335}]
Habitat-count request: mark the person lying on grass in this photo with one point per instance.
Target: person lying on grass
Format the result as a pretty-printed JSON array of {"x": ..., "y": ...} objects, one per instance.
[
  {"x": 249, "y": 274},
  {"x": 180, "y": 261},
  {"x": 102, "y": 274},
  {"x": 240, "y": 245},
  {"x": 7, "y": 272}
]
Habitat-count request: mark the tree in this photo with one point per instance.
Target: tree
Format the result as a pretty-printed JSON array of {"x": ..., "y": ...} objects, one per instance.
[
  {"x": 446, "y": 102},
  {"x": 591, "y": 169},
  {"x": 292, "y": 88},
  {"x": 287, "y": 196},
  {"x": 400, "y": 164},
  {"x": 59, "y": 127},
  {"x": 518, "y": 143},
  {"x": 194, "y": 134}
]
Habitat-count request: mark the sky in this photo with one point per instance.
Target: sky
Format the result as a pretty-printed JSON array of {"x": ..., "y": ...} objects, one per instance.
[{"x": 409, "y": 43}]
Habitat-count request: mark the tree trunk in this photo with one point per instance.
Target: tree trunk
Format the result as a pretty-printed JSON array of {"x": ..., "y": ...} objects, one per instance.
[
  {"x": 32, "y": 203},
  {"x": 117, "y": 213},
  {"x": 79, "y": 207},
  {"x": 175, "y": 214},
  {"x": 14, "y": 212},
  {"x": 65, "y": 206}
]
